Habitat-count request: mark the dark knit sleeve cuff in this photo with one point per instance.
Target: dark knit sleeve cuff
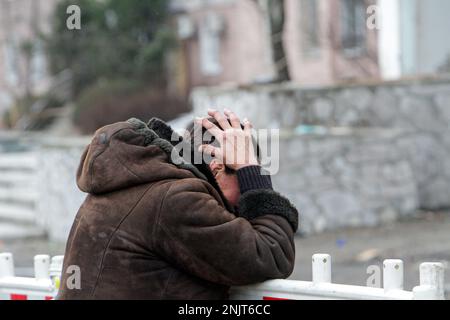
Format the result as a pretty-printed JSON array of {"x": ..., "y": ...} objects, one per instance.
[
  {"x": 257, "y": 203},
  {"x": 250, "y": 178}
]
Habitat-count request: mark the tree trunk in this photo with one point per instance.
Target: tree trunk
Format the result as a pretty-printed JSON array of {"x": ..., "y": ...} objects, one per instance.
[{"x": 277, "y": 19}]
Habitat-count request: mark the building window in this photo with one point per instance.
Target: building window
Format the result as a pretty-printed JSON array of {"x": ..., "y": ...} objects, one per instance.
[
  {"x": 210, "y": 33},
  {"x": 310, "y": 26},
  {"x": 353, "y": 22}
]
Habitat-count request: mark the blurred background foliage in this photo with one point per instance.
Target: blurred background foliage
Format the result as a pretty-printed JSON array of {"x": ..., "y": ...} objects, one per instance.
[
  {"x": 110, "y": 101},
  {"x": 119, "y": 41}
]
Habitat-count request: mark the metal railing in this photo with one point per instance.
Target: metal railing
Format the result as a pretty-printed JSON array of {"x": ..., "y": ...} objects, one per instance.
[
  {"x": 45, "y": 284},
  {"x": 431, "y": 285}
]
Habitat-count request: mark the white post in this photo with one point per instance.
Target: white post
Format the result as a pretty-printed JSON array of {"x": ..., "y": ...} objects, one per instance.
[
  {"x": 431, "y": 282},
  {"x": 424, "y": 293},
  {"x": 389, "y": 39},
  {"x": 6, "y": 265},
  {"x": 392, "y": 275},
  {"x": 56, "y": 266},
  {"x": 321, "y": 268},
  {"x": 41, "y": 267}
]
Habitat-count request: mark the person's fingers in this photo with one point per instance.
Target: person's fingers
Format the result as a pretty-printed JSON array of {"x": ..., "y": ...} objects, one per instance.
[
  {"x": 247, "y": 125},
  {"x": 212, "y": 128},
  {"x": 234, "y": 120},
  {"x": 223, "y": 122}
]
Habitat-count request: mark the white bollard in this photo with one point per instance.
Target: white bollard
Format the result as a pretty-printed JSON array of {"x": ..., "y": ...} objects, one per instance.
[
  {"x": 56, "y": 266},
  {"x": 431, "y": 282},
  {"x": 392, "y": 275},
  {"x": 424, "y": 293},
  {"x": 321, "y": 268},
  {"x": 42, "y": 267},
  {"x": 6, "y": 265}
]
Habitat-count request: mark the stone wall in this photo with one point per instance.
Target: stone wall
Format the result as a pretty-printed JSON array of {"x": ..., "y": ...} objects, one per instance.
[
  {"x": 418, "y": 111},
  {"x": 48, "y": 187},
  {"x": 421, "y": 105},
  {"x": 339, "y": 178},
  {"x": 390, "y": 159},
  {"x": 60, "y": 197},
  {"x": 358, "y": 178}
]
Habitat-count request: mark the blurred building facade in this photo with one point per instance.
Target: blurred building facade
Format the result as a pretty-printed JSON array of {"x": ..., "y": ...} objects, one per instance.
[
  {"x": 326, "y": 41},
  {"x": 229, "y": 41},
  {"x": 23, "y": 65},
  {"x": 411, "y": 37}
]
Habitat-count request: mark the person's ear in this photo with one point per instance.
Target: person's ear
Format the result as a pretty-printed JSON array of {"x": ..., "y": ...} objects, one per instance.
[{"x": 215, "y": 166}]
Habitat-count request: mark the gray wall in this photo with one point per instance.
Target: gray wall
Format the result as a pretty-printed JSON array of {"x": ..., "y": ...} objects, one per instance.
[
  {"x": 416, "y": 113},
  {"x": 421, "y": 105},
  {"x": 382, "y": 152},
  {"x": 41, "y": 182},
  {"x": 357, "y": 178},
  {"x": 60, "y": 197}
]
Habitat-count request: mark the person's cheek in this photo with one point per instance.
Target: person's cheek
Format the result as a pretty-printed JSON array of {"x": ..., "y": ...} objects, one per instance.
[{"x": 236, "y": 191}]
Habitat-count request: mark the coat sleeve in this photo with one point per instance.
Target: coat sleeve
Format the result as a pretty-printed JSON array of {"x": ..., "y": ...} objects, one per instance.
[{"x": 198, "y": 235}]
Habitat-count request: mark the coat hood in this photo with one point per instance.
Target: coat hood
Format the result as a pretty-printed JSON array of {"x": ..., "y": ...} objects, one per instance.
[{"x": 126, "y": 154}]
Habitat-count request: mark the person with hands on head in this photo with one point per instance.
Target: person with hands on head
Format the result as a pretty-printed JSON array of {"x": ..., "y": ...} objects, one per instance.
[
  {"x": 154, "y": 228},
  {"x": 236, "y": 148}
]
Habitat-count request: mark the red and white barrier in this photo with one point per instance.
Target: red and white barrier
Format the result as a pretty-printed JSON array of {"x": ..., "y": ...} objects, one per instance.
[
  {"x": 44, "y": 286},
  {"x": 321, "y": 288}
]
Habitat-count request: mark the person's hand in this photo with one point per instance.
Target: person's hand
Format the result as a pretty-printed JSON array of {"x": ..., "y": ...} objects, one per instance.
[{"x": 236, "y": 148}]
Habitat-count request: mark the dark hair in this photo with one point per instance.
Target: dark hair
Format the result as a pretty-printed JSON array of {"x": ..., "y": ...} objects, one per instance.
[{"x": 194, "y": 145}]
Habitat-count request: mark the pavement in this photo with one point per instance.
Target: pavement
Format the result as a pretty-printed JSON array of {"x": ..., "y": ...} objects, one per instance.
[
  {"x": 425, "y": 238},
  {"x": 13, "y": 230}
]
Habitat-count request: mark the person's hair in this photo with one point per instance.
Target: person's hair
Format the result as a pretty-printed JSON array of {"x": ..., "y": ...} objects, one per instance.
[{"x": 194, "y": 145}]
